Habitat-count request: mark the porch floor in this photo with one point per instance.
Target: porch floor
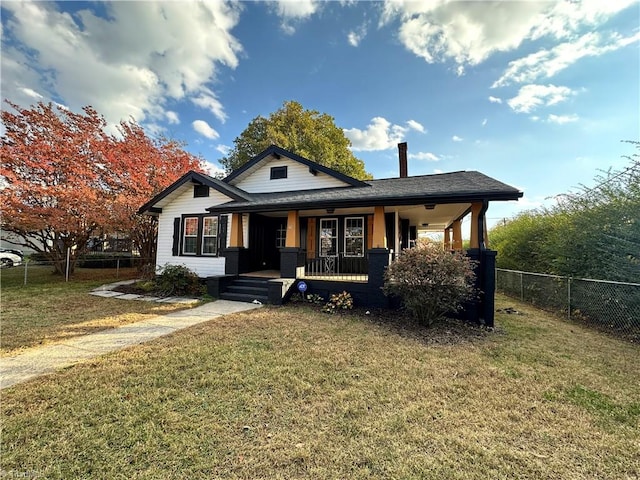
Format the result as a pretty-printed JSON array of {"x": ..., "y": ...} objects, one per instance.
[{"x": 262, "y": 274}]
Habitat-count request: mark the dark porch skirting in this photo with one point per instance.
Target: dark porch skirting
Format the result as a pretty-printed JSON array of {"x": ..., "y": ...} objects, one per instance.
[{"x": 368, "y": 294}]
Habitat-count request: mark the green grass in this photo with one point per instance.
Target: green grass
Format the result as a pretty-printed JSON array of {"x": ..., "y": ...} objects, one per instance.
[
  {"x": 292, "y": 393},
  {"x": 49, "y": 309}
]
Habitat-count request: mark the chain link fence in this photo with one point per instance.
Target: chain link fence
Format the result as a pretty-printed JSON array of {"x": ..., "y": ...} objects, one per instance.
[
  {"x": 90, "y": 267},
  {"x": 611, "y": 306}
]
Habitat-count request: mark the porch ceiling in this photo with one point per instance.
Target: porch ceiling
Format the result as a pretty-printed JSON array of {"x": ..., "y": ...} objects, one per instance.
[{"x": 434, "y": 220}]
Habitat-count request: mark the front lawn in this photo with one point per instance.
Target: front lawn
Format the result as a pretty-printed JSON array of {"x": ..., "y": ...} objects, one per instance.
[
  {"x": 49, "y": 309},
  {"x": 292, "y": 393}
]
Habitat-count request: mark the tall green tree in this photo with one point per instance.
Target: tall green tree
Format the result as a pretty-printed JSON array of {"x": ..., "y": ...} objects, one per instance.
[{"x": 307, "y": 133}]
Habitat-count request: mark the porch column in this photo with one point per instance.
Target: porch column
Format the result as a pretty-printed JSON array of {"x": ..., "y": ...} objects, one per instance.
[
  {"x": 457, "y": 235},
  {"x": 236, "y": 231},
  {"x": 478, "y": 226},
  {"x": 291, "y": 261},
  {"x": 236, "y": 260},
  {"x": 379, "y": 228},
  {"x": 447, "y": 238},
  {"x": 293, "y": 229}
]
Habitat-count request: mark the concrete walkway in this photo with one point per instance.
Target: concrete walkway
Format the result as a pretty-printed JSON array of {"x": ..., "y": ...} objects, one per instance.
[{"x": 38, "y": 361}]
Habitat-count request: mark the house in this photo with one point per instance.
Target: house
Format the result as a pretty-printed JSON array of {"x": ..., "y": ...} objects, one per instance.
[{"x": 281, "y": 219}]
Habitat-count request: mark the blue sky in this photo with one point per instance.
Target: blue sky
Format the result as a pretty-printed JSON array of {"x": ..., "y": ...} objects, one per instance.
[{"x": 536, "y": 94}]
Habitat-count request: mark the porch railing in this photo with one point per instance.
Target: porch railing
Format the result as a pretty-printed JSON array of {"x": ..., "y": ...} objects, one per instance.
[{"x": 338, "y": 268}]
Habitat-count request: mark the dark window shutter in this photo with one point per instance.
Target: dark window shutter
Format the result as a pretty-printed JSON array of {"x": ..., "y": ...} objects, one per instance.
[
  {"x": 176, "y": 237},
  {"x": 222, "y": 234}
]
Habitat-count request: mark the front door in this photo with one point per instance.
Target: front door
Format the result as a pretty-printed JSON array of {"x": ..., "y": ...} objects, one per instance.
[{"x": 266, "y": 234}]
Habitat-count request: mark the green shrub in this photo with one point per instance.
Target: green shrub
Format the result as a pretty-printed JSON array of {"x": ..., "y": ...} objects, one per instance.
[
  {"x": 430, "y": 281},
  {"x": 178, "y": 280}
]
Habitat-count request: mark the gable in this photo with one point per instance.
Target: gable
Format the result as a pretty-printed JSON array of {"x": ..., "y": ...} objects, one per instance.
[
  {"x": 267, "y": 176},
  {"x": 188, "y": 198},
  {"x": 199, "y": 186},
  {"x": 304, "y": 174}
]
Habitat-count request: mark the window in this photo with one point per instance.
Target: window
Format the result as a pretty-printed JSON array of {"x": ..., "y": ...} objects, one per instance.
[
  {"x": 354, "y": 237},
  {"x": 200, "y": 191},
  {"x": 209, "y": 235},
  {"x": 199, "y": 235},
  {"x": 281, "y": 236},
  {"x": 278, "y": 172},
  {"x": 328, "y": 237},
  {"x": 190, "y": 241}
]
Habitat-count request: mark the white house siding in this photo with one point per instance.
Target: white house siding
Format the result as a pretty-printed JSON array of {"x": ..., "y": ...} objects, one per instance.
[
  {"x": 298, "y": 178},
  {"x": 186, "y": 204}
]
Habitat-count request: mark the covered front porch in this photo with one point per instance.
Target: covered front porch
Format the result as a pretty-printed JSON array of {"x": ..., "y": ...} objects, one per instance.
[{"x": 334, "y": 249}]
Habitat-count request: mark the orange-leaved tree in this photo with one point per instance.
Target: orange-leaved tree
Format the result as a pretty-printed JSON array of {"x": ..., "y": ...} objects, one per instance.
[
  {"x": 64, "y": 180},
  {"x": 141, "y": 167},
  {"x": 51, "y": 193}
]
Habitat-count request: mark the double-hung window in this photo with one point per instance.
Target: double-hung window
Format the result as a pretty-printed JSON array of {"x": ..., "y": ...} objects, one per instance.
[
  {"x": 354, "y": 237},
  {"x": 200, "y": 235},
  {"x": 190, "y": 236},
  {"x": 209, "y": 235},
  {"x": 328, "y": 237}
]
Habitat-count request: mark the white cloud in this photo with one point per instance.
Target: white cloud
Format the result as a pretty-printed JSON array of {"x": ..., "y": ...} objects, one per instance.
[
  {"x": 355, "y": 36},
  {"x": 204, "y": 129},
  {"x": 125, "y": 62},
  {"x": 31, "y": 93},
  {"x": 437, "y": 170},
  {"x": 562, "y": 119},
  {"x": 469, "y": 32},
  {"x": 533, "y": 96},
  {"x": 456, "y": 138},
  {"x": 431, "y": 157},
  {"x": 418, "y": 127},
  {"x": 293, "y": 12},
  {"x": 223, "y": 149},
  {"x": 208, "y": 101},
  {"x": 212, "y": 169},
  {"x": 296, "y": 8},
  {"x": 465, "y": 32},
  {"x": 484, "y": 122},
  {"x": 495, "y": 99},
  {"x": 380, "y": 134},
  {"x": 172, "y": 117},
  {"x": 547, "y": 63}
]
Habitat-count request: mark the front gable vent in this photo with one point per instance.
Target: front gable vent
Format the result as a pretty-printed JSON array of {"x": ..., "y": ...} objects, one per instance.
[
  {"x": 200, "y": 191},
  {"x": 278, "y": 172}
]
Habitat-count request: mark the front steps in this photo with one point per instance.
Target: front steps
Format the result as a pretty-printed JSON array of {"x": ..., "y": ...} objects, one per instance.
[{"x": 247, "y": 289}]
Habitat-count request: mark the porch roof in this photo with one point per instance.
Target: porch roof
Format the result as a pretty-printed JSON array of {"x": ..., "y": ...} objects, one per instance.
[{"x": 454, "y": 187}]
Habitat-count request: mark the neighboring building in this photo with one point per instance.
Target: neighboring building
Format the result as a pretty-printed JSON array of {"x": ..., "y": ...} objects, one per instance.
[
  {"x": 288, "y": 218},
  {"x": 12, "y": 241}
]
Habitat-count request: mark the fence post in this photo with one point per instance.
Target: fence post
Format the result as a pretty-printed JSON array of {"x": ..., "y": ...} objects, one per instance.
[
  {"x": 118, "y": 269},
  {"x": 569, "y": 298},
  {"x": 521, "y": 288},
  {"x": 25, "y": 271},
  {"x": 68, "y": 260}
]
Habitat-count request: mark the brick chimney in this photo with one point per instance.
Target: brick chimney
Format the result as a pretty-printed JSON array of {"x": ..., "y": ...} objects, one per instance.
[{"x": 402, "y": 155}]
